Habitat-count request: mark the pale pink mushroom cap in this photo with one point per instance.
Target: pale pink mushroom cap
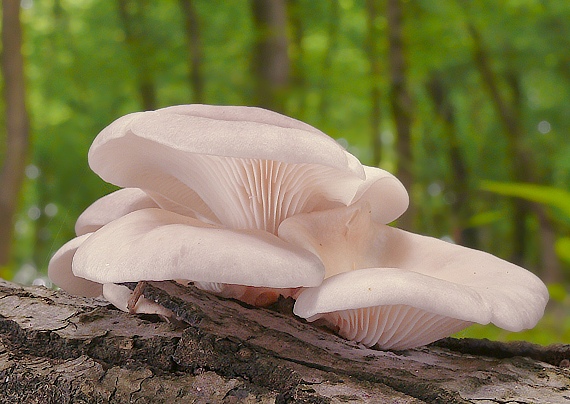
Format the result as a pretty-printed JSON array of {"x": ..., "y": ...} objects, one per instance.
[
  {"x": 242, "y": 167},
  {"x": 60, "y": 272},
  {"x": 245, "y": 202},
  {"x": 155, "y": 244},
  {"x": 111, "y": 207},
  {"x": 398, "y": 290},
  {"x": 98, "y": 214}
]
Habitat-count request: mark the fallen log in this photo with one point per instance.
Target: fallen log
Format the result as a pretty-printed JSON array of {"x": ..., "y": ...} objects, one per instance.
[{"x": 57, "y": 348}]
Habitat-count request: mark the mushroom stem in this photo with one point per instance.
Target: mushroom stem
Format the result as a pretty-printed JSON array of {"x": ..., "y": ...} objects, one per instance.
[{"x": 135, "y": 296}]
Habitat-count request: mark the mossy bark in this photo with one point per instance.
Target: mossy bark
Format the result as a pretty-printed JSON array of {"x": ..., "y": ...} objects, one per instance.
[{"x": 56, "y": 348}]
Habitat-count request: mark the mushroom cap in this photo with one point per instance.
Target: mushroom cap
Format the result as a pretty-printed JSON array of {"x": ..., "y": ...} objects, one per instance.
[
  {"x": 227, "y": 131},
  {"x": 237, "y": 166},
  {"x": 60, "y": 273},
  {"x": 371, "y": 266},
  {"x": 111, "y": 207},
  {"x": 383, "y": 194},
  {"x": 154, "y": 244},
  {"x": 98, "y": 214}
]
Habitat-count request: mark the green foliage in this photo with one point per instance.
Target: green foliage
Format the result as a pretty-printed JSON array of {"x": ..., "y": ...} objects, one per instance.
[
  {"x": 548, "y": 195},
  {"x": 82, "y": 74},
  {"x": 562, "y": 248},
  {"x": 553, "y": 197}
]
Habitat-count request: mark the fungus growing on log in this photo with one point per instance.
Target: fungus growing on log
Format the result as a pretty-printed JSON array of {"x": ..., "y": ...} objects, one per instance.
[
  {"x": 250, "y": 204},
  {"x": 400, "y": 289}
]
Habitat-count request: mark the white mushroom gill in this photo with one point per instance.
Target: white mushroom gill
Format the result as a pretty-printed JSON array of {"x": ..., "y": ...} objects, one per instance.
[
  {"x": 260, "y": 194},
  {"x": 392, "y": 326},
  {"x": 256, "y": 296}
]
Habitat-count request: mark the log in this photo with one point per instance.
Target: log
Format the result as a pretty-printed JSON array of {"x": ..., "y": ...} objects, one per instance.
[{"x": 57, "y": 348}]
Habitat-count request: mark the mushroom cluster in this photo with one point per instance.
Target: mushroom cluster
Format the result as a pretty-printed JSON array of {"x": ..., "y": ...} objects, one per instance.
[{"x": 250, "y": 204}]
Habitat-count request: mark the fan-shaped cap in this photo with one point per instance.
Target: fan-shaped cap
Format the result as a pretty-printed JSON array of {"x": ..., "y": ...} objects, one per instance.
[
  {"x": 421, "y": 284},
  {"x": 240, "y": 132},
  {"x": 384, "y": 195},
  {"x": 60, "y": 273},
  {"x": 111, "y": 207},
  {"x": 154, "y": 244},
  {"x": 238, "y": 166}
]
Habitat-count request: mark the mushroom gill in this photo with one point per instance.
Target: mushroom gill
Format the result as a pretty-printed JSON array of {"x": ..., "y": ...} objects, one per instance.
[{"x": 393, "y": 327}]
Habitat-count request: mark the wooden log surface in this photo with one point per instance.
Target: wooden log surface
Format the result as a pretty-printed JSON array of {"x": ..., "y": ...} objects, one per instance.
[{"x": 57, "y": 348}]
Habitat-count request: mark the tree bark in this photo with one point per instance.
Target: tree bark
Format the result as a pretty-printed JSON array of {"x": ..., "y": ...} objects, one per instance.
[
  {"x": 192, "y": 27},
  {"x": 17, "y": 123},
  {"x": 55, "y": 348},
  {"x": 270, "y": 58},
  {"x": 401, "y": 101}
]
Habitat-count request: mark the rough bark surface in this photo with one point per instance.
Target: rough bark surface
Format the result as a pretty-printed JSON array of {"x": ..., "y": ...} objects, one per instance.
[{"x": 55, "y": 348}]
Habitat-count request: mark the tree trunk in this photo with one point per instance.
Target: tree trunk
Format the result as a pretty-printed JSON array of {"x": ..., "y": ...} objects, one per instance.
[
  {"x": 333, "y": 28},
  {"x": 401, "y": 102},
  {"x": 297, "y": 76},
  {"x": 55, "y": 348},
  {"x": 270, "y": 59},
  {"x": 520, "y": 160},
  {"x": 17, "y": 123},
  {"x": 373, "y": 36},
  {"x": 132, "y": 15},
  {"x": 192, "y": 26},
  {"x": 459, "y": 183}
]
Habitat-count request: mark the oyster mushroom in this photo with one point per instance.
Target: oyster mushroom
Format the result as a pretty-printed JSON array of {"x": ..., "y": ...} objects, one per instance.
[
  {"x": 209, "y": 187},
  {"x": 155, "y": 244},
  {"x": 241, "y": 167},
  {"x": 111, "y": 207},
  {"x": 249, "y": 204},
  {"x": 398, "y": 290}
]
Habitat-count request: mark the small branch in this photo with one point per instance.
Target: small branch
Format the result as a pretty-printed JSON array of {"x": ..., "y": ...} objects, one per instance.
[{"x": 135, "y": 296}]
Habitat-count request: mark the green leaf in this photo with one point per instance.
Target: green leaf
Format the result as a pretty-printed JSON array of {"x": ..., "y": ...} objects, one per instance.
[
  {"x": 485, "y": 218},
  {"x": 562, "y": 248},
  {"x": 557, "y": 292},
  {"x": 544, "y": 194}
]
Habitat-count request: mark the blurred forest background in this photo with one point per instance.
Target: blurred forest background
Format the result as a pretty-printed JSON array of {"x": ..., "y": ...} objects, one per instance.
[{"x": 467, "y": 102}]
